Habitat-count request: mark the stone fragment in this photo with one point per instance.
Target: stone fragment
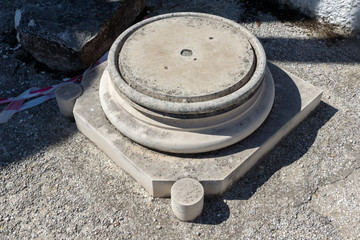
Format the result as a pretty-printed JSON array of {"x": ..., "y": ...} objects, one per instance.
[
  {"x": 187, "y": 199},
  {"x": 71, "y": 35},
  {"x": 66, "y": 96}
]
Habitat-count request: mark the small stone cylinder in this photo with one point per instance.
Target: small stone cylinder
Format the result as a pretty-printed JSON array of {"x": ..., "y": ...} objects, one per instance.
[
  {"x": 187, "y": 199},
  {"x": 66, "y": 96}
]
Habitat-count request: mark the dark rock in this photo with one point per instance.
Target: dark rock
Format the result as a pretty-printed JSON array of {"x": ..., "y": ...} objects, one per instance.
[{"x": 69, "y": 35}]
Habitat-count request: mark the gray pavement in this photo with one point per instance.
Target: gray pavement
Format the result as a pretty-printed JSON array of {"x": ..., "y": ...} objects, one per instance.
[{"x": 55, "y": 184}]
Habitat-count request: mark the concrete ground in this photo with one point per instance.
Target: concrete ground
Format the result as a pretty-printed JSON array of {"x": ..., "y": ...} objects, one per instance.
[{"x": 55, "y": 184}]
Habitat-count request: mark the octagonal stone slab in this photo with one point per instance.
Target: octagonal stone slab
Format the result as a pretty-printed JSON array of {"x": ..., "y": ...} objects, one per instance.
[{"x": 216, "y": 170}]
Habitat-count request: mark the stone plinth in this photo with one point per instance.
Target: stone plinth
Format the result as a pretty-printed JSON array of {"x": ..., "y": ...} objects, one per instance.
[{"x": 216, "y": 170}]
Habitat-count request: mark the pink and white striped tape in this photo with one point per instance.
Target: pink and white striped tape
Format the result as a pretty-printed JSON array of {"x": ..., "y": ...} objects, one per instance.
[{"x": 37, "y": 95}]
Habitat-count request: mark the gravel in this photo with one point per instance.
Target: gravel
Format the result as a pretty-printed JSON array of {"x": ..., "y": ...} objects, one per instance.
[{"x": 55, "y": 184}]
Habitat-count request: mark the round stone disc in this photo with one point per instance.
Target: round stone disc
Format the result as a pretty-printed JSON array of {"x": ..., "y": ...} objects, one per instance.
[{"x": 186, "y": 59}]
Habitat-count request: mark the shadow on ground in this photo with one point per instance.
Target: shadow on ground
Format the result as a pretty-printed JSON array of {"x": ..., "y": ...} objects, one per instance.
[
  {"x": 311, "y": 50},
  {"x": 33, "y": 131},
  {"x": 289, "y": 150},
  {"x": 330, "y": 44}
]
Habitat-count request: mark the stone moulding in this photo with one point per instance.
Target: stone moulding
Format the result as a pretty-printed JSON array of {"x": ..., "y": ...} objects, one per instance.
[{"x": 186, "y": 106}]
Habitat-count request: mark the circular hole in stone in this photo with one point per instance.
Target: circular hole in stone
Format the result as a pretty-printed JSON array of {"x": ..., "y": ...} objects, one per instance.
[
  {"x": 211, "y": 38},
  {"x": 186, "y": 52}
]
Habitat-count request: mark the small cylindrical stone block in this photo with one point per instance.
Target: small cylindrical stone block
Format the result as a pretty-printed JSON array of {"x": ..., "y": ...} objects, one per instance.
[
  {"x": 65, "y": 97},
  {"x": 187, "y": 199}
]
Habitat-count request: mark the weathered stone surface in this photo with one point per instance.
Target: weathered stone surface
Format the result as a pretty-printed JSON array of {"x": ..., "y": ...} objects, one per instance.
[
  {"x": 197, "y": 66},
  {"x": 70, "y": 35}
]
